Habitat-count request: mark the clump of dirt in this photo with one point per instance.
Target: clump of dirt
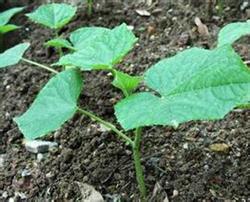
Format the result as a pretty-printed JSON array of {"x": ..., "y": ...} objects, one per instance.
[{"x": 178, "y": 164}]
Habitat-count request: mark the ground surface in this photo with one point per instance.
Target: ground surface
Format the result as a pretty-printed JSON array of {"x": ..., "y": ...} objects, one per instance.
[{"x": 178, "y": 163}]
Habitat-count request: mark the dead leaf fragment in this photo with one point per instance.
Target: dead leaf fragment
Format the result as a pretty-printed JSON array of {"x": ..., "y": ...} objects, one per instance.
[
  {"x": 202, "y": 28},
  {"x": 151, "y": 30},
  {"x": 89, "y": 194},
  {"x": 142, "y": 12},
  {"x": 219, "y": 147}
]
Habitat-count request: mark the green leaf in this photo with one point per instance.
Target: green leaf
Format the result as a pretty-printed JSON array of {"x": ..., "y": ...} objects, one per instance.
[
  {"x": 13, "y": 55},
  {"x": 196, "y": 84},
  {"x": 54, "y": 15},
  {"x": 232, "y": 32},
  {"x": 104, "y": 52},
  {"x": 85, "y": 36},
  {"x": 54, "y": 105},
  {"x": 7, "y": 15},
  {"x": 59, "y": 43},
  {"x": 7, "y": 28},
  {"x": 126, "y": 82}
]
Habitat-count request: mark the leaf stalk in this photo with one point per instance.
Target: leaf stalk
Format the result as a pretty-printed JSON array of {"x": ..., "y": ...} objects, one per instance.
[
  {"x": 39, "y": 65},
  {"x": 108, "y": 125},
  {"x": 138, "y": 166}
]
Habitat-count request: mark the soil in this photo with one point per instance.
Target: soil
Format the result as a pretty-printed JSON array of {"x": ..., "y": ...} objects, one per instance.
[{"x": 178, "y": 163}]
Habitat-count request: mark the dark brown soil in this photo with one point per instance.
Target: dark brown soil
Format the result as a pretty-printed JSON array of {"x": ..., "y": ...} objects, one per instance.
[{"x": 178, "y": 162}]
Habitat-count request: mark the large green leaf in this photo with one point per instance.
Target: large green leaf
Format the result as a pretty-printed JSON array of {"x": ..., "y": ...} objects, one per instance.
[
  {"x": 55, "y": 104},
  {"x": 54, "y": 15},
  {"x": 196, "y": 84},
  {"x": 232, "y": 32},
  {"x": 7, "y": 15},
  {"x": 13, "y": 55},
  {"x": 105, "y": 51}
]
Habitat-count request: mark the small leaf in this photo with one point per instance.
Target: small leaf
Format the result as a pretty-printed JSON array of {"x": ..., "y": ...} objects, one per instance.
[
  {"x": 196, "y": 84},
  {"x": 104, "y": 52},
  {"x": 7, "y": 15},
  {"x": 13, "y": 55},
  {"x": 54, "y": 105},
  {"x": 54, "y": 15},
  {"x": 85, "y": 36},
  {"x": 59, "y": 43},
  {"x": 7, "y": 28},
  {"x": 126, "y": 82},
  {"x": 232, "y": 32}
]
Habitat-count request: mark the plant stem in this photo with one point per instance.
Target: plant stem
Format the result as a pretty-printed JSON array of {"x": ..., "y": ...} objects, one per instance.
[
  {"x": 138, "y": 166},
  {"x": 90, "y": 7},
  {"x": 58, "y": 49},
  {"x": 108, "y": 125},
  {"x": 39, "y": 65},
  {"x": 221, "y": 6}
]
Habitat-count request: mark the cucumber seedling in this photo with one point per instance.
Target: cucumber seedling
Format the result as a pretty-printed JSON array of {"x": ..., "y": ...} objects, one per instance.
[
  {"x": 54, "y": 16},
  {"x": 196, "y": 84}
]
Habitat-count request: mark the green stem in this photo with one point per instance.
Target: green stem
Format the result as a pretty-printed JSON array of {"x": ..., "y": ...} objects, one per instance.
[
  {"x": 58, "y": 49},
  {"x": 39, "y": 65},
  {"x": 107, "y": 124},
  {"x": 221, "y": 6},
  {"x": 90, "y": 7},
  {"x": 138, "y": 166}
]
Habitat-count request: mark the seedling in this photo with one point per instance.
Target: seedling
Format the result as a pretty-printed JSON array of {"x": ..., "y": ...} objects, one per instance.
[
  {"x": 4, "y": 20},
  {"x": 196, "y": 84},
  {"x": 54, "y": 16}
]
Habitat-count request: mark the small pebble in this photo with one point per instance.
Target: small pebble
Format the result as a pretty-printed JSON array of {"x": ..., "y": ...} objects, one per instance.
[
  {"x": 130, "y": 27},
  {"x": 38, "y": 146},
  {"x": 144, "y": 13},
  {"x": 5, "y": 194},
  {"x": 49, "y": 175},
  {"x": 39, "y": 157},
  {"x": 11, "y": 199},
  {"x": 244, "y": 5},
  {"x": 175, "y": 193},
  {"x": 185, "y": 145},
  {"x": 25, "y": 173},
  {"x": 2, "y": 160}
]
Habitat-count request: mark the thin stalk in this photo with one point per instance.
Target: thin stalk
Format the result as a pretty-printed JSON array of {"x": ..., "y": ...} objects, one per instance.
[
  {"x": 58, "y": 49},
  {"x": 137, "y": 163},
  {"x": 90, "y": 7},
  {"x": 107, "y": 124},
  {"x": 221, "y": 7},
  {"x": 39, "y": 65}
]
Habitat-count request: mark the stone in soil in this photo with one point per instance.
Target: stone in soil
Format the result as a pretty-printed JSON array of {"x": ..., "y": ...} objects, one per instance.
[{"x": 38, "y": 146}]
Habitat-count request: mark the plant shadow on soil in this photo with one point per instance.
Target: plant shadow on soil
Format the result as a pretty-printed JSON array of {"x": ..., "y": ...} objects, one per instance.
[{"x": 177, "y": 161}]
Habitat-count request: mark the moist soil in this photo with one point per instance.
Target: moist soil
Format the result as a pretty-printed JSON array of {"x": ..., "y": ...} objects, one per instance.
[{"x": 178, "y": 164}]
